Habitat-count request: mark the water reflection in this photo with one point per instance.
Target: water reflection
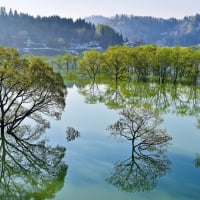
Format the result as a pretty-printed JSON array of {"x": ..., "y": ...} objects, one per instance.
[
  {"x": 30, "y": 169},
  {"x": 166, "y": 98},
  {"x": 109, "y": 93},
  {"x": 148, "y": 160},
  {"x": 92, "y": 92},
  {"x": 72, "y": 134},
  {"x": 197, "y": 161}
]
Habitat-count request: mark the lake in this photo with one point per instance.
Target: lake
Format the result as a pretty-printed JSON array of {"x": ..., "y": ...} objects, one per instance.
[
  {"x": 92, "y": 158},
  {"x": 100, "y": 165}
]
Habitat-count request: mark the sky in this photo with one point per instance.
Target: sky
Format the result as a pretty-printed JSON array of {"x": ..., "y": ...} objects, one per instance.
[{"x": 84, "y": 8}]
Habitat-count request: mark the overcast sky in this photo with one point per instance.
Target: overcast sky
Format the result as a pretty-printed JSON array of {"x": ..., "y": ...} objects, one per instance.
[{"x": 82, "y": 8}]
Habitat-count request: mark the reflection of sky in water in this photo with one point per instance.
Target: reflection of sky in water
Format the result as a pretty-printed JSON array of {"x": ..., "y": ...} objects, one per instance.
[
  {"x": 186, "y": 136},
  {"x": 184, "y": 179},
  {"x": 91, "y": 157}
]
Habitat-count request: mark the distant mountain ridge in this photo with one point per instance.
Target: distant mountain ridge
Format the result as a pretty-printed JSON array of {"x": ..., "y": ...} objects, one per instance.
[{"x": 169, "y": 32}]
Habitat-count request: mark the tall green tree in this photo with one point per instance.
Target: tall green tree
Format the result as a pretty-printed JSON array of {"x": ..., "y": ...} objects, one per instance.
[
  {"x": 192, "y": 69},
  {"x": 117, "y": 63},
  {"x": 142, "y": 61},
  {"x": 91, "y": 63},
  {"x": 181, "y": 59},
  {"x": 162, "y": 63},
  {"x": 28, "y": 89}
]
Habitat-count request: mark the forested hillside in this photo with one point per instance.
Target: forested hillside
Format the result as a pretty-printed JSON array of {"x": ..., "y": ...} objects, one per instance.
[
  {"x": 169, "y": 32},
  {"x": 23, "y": 31}
]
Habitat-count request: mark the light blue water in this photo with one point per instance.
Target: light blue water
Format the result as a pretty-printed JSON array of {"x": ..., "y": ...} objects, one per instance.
[{"x": 92, "y": 156}]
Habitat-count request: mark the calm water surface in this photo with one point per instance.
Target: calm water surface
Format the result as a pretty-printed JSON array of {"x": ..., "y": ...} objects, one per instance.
[{"x": 92, "y": 157}]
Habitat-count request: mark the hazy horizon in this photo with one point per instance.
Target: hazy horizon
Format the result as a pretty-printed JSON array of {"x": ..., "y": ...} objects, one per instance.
[{"x": 86, "y": 8}]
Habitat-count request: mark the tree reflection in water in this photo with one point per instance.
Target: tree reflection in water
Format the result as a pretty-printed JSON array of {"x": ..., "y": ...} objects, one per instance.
[
  {"x": 72, "y": 134},
  {"x": 197, "y": 160},
  {"x": 30, "y": 169},
  {"x": 148, "y": 160}
]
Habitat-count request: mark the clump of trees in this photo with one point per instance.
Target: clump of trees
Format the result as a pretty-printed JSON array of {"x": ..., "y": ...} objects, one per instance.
[{"x": 143, "y": 63}]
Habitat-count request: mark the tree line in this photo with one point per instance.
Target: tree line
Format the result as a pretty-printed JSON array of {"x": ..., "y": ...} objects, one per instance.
[{"x": 142, "y": 63}]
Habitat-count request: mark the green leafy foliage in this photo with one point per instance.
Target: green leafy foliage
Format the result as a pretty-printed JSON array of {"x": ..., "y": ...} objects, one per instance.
[
  {"x": 28, "y": 89},
  {"x": 144, "y": 63},
  {"x": 91, "y": 64}
]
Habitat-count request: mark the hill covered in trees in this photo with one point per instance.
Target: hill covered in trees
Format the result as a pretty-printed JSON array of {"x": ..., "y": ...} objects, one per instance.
[
  {"x": 28, "y": 33},
  {"x": 149, "y": 30}
]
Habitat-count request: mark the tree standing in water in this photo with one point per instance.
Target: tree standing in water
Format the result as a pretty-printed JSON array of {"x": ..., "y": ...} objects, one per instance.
[{"x": 28, "y": 89}]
